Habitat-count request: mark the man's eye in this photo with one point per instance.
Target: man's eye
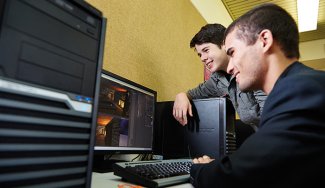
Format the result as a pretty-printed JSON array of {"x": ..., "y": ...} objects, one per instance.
[{"x": 231, "y": 53}]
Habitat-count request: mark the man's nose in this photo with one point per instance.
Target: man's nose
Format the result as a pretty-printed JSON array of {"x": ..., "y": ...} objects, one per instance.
[
  {"x": 204, "y": 58},
  {"x": 230, "y": 67}
]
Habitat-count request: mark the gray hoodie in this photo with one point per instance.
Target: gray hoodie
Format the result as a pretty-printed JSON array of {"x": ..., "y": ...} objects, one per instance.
[{"x": 248, "y": 105}]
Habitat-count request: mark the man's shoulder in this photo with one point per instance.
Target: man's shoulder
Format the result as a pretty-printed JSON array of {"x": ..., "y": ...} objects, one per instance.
[
  {"x": 297, "y": 88},
  {"x": 305, "y": 79},
  {"x": 299, "y": 75}
]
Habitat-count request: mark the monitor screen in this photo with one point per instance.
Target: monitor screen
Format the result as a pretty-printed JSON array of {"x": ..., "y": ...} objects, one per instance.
[{"x": 125, "y": 116}]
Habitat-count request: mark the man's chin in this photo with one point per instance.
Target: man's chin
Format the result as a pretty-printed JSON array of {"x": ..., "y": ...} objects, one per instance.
[
  {"x": 244, "y": 88},
  {"x": 211, "y": 68}
]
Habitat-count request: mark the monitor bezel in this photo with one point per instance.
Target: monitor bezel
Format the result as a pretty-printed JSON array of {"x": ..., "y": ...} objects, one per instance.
[{"x": 100, "y": 150}]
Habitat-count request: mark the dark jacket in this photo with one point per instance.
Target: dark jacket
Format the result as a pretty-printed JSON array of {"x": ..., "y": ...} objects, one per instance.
[{"x": 289, "y": 148}]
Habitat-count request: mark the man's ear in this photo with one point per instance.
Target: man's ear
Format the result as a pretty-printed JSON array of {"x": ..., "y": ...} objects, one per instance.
[{"x": 266, "y": 39}]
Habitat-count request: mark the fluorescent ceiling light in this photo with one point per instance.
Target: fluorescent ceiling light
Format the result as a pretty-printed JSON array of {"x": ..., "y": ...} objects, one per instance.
[{"x": 307, "y": 14}]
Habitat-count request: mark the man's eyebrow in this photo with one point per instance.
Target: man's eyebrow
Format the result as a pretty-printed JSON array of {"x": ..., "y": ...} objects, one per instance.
[
  {"x": 205, "y": 48},
  {"x": 229, "y": 50}
]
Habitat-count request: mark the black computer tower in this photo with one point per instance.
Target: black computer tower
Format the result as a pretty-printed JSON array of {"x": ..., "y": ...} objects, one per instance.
[
  {"x": 211, "y": 130},
  {"x": 51, "y": 57}
]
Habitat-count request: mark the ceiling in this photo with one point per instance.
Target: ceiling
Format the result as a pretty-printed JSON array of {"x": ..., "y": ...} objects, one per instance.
[{"x": 237, "y": 8}]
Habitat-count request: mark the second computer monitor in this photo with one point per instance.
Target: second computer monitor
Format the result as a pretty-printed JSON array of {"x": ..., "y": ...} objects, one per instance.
[{"x": 125, "y": 116}]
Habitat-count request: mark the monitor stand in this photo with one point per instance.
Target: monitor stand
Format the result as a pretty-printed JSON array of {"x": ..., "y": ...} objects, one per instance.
[{"x": 103, "y": 163}]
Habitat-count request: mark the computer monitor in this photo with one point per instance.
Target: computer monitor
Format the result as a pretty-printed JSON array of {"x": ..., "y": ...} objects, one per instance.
[
  {"x": 51, "y": 58},
  {"x": 125, "y": 116}
]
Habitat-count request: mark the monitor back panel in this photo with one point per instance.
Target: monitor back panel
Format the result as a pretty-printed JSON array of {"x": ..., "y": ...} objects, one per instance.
[{"x": 210, "y": 131}]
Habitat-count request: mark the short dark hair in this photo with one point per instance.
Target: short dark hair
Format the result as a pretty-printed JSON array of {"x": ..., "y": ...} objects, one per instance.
[
  {"x": 274, "y": 18},
  {"x": 210, "y": 33}
]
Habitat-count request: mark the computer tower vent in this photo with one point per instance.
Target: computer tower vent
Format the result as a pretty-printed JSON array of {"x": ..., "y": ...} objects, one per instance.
[
  {"x": 230, "y": 143},
  {"x": 47, "y": 145}
]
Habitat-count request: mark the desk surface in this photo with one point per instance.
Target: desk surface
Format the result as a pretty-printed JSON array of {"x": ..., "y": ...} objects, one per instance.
[{"x": 109, "y": 180}]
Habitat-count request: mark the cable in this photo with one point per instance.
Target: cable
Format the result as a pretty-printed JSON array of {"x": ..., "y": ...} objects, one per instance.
[{"x": 135, "y": 158}]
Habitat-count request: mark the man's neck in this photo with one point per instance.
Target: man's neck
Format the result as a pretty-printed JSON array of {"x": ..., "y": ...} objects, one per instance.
[{"x": 275, "y": 68}]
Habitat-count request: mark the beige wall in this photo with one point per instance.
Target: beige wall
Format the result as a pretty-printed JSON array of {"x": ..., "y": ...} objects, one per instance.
[
  {"x": 147, "y": 41},
  {"x": 313, "y": 53}
]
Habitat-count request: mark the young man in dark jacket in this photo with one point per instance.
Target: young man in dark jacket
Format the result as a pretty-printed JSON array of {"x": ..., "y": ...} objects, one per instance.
[{"x": 288, "y": 150}]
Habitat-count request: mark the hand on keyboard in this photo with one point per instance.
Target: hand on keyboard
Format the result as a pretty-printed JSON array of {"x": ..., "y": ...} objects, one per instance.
[
  {"x": 202, "y": 160},
  {"x": 158, "y": 173}
]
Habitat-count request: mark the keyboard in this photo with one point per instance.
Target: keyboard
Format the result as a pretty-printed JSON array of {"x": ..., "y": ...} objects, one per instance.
[{"x": 156, "y": 173}]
